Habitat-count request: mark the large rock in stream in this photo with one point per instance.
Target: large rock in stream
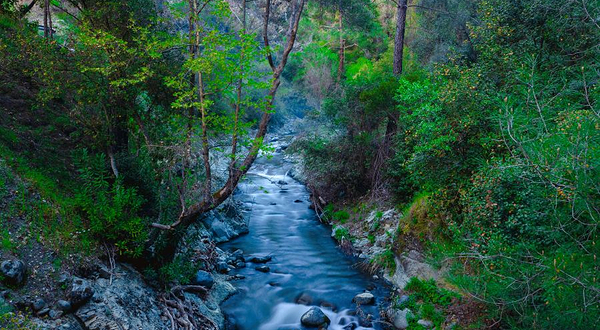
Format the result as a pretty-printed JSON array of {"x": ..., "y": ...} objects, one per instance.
[
  {"x": 315, "y": 317},
  {"x": 365, "y": 298}
]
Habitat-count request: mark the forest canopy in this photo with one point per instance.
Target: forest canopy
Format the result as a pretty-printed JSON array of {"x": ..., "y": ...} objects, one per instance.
[{"x": 130, "y": 120}]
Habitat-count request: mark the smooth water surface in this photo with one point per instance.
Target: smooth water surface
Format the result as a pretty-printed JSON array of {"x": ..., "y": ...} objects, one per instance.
[{"x": 305, "y": 258}]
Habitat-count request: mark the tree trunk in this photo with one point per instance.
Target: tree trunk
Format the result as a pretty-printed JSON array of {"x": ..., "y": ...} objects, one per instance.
[
  {"x": 342, "y": 48},
  {"x": 392, "y": 124},
  {"x": 399, "y": 39},
  {"x": 173, "y": 232},
  {"x": 384, "y": 152},
  {"x": 238, "y": 103}
]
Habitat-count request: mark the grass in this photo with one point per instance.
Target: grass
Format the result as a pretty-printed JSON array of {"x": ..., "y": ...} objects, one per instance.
[
  {"x": 427, "y": 301},
  {"x": 37, "y": 201},
  {"x": 385, "y": 260}
]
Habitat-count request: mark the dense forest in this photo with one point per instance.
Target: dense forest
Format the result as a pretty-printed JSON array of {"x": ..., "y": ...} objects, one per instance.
[{"x": 123, "y": 124}]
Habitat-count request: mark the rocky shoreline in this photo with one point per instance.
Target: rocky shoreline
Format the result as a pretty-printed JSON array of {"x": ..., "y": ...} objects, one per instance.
[
  {"x": 112, "y": 295},
  {"x": 116, "y": 296}
]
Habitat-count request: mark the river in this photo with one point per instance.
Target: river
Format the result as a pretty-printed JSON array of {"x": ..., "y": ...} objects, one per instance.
[{"x": 305, "y": 259}]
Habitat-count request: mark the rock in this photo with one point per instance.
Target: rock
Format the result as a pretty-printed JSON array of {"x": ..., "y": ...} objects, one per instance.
[
  {"x": 304, "y": 299},
  {"x": 409, "y": 265},
  {"x": 13, "y": 272},
  {"x": 272, "y": 203},
  {"x": 282, "y": 182},
  {"x": 224, "y": 223},
  {"x": 128, "y": 303},
  {"x": 425, "y": 323},
  {"x": 399, "y": 318},
  {"x": 328, "y": 305},
  {"x": 314, "y": 317},
  {"x": 64, "y": 305},
  {"x": 81, "y": 292},
  {"x": 54, "y": 314},
  {"x": 366, "y": 321},
  {"x": 38, "y": 304},
  {"x": 240, "y": 264},
  {"x": 43, "y": 312},
  {"x": 222, "y": 267},
  {"x": 365, "y": 298},
  {"x": 204, "y": 278},
  {"x": 260, "y": 259},
  {"x": 264, "y": 269},
  {"x": 63, "y": 279},
  {"x": 297, "y": 201}
]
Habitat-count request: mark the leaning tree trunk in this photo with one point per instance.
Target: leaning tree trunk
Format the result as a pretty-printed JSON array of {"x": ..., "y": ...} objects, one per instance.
[{"x": 170, "y": 235}]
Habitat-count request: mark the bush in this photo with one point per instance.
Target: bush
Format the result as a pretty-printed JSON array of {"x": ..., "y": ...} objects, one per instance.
[{"x": 109, "y": 209}]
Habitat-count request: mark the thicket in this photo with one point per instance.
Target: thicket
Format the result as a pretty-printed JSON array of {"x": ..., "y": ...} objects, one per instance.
[
  {"x": 501, "y": 134},
  {"x": 117, "y": 112}
]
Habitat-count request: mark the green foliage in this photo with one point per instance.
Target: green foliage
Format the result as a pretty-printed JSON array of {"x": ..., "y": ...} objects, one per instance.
[
  {"x": 428, "y": 291},
  {"x": 10, "y": 320},
  {"x": 341, "y": 216},
  {"x": 385, "y": 260},
  {"x": 178, "y": 271},
  {"x": 110, "y": 209},
  {"x": 341, "y": 233},
  {"x": 426, "y": 301}
]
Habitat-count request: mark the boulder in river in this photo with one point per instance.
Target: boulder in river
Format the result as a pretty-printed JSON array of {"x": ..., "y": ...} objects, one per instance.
[
  {"x": 365, "y": 298},
  {"x": 13, "y": 271},
  {"x": 260, "y": 259},
  {"x": 304, "y": 299},
  {"x": 222, "y": 267},
  {"x": 314, "y": 317},
  {"x": 264, "y": 269},
  {"x": 204, "y": 278}
]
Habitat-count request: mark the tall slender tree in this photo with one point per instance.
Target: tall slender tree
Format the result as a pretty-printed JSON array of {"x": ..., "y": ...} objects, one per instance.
[{"x": 237, "y": 169}]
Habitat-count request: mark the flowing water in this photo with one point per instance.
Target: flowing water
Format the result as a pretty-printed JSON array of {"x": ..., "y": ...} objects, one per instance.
[{"x": 305, "y": 259}]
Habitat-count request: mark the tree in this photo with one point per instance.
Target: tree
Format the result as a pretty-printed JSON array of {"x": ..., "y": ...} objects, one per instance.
[{"x": 198, "y": 101}]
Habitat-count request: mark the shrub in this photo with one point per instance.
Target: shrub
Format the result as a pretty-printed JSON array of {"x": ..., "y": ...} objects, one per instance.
[
  {"x": 341, "y": 233},
  {"x": 109, "y": 209}
]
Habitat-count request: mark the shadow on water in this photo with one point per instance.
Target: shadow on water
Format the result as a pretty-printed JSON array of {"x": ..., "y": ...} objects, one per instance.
[{"x": 305, "y": 259}]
